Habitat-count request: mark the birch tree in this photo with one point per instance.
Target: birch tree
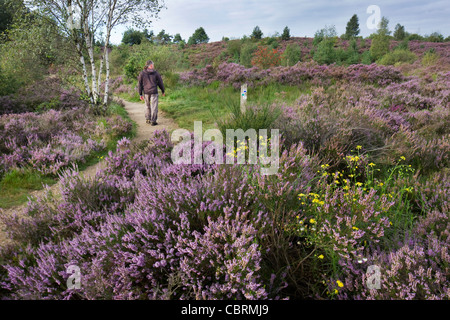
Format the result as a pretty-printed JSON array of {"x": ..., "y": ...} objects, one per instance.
[{"x": 84, "y": 20}]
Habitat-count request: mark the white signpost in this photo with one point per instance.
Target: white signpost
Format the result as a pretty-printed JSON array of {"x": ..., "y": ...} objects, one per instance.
[{"x": 243, "y": 97}]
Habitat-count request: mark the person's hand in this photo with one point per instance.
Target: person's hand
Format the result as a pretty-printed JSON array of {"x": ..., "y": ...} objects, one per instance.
[
  {"x": 164, "y": 94},
  {"x": 142, "y": 98}
]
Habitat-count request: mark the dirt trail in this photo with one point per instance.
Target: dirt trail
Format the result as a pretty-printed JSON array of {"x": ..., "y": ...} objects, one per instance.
[{"x": 136, "y": 111}]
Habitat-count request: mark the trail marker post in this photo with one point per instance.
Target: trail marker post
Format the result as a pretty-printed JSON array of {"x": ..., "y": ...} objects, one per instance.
[{"x": 243, "y": 98}]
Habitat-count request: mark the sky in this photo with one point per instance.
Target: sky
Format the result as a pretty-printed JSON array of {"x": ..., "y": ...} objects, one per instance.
[{"x": 234, "y": 18}]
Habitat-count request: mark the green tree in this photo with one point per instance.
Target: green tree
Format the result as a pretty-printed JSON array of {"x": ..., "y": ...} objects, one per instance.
[
  {"x": 383, "y": 27},
  {"x": 352, "y": 53},
  {"x": 149, "y": 35},
  {"x": 380, "y": 46},
  {"x": 132, "y": 37},
  {"x": 163, "y": 37},
  {"x": 257, "y": 33},
  {"x": 399, "y": 32},
  {"x": 381, "y": 40},
  {"x": 286, "y": 34},
  {"x": 291, "y": 55},
  {"x": 246, "y": 53},
  {"x": 8, "y": 10},
  {"x": 177, "y": 38},
  {"x": 352, "y": 29},
  {"x": 435, "y": 37},
  {"x": 325, "y": 53},
  {"x": 94, "y": 17},
  {"x": 199, "y": 36},
  {"x": 325, "y": 33},
  {"x": 33, "y": 41}
]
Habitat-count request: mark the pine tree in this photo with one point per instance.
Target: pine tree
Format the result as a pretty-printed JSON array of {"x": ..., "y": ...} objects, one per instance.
[
  {"x": 286, "y": 34},
  {"x": 352, "y": 29},
  {"x": 257, "y": 33}
]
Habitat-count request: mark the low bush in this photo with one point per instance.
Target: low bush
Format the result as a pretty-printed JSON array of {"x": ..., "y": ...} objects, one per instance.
[{"x": 398, "y": 56}]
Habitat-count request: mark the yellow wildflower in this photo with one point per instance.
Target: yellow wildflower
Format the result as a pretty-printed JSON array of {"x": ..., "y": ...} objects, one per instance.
[
  {"x": 358, "y": 147},
  {"x": 402, "y": 158},
  {"x": 312, "y": 221},
  {"x": 372, "y": 164},
  {"x": 321, "y": 256},
  {"x": 340, "y": 284},
  {"x": 355, "y": 228}
]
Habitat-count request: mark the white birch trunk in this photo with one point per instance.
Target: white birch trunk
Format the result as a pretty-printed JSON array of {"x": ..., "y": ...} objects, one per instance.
[
  {"x": 108, "y": 35},
  {"x": 105, "y": 99},
  {"x": 90, "y": 49},
  {"x": 85, "y": 75},
  {"x": 100, "y": 70}
]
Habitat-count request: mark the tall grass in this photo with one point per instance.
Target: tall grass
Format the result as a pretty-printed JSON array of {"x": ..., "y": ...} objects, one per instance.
[
  {"x": 254, "y": 117},
  {"x": 214, "y": 105}
]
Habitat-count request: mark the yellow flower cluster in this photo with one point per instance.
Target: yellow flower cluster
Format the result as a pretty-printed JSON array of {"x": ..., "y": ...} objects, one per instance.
[
  {"x": 353, "y": 158},
  {"x": 315, "y": 198}
]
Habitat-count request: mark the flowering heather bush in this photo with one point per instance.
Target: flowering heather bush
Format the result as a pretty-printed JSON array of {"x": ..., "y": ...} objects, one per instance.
[
  {"x": 9, "y": 104},
  {"x": 54, "y": 139},
  {"x": 145, "y": 228},
  {"x": 235, "y": 74},
  {"x": 402, "y": 119},
  {"x": 149, "y": 229},
  {"x": 42, "y": 96},
  {"x": 414, "y": 265},
  {"x": 418, "y": 269}
]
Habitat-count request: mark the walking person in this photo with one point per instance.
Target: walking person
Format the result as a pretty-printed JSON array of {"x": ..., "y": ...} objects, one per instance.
[{"x": 149, "y": 80}]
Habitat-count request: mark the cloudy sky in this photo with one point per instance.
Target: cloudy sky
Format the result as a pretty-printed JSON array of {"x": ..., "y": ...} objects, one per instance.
[{"x": 235, "y": 18}]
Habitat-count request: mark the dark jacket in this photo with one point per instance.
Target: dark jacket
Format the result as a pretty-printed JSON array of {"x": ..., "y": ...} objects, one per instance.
[{"x": 149, "y": 81}]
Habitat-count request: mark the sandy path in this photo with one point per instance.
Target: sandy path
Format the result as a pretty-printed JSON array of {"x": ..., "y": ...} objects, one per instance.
[{"x": 136, "y": 111}]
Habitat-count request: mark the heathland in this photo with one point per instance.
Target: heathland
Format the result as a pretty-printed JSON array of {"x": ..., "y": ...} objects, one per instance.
[{"x": 363, "y": 178}]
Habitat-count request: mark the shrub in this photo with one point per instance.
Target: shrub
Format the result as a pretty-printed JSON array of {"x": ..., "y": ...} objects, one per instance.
[
  {"x": 325, "y": 53},
  {"x": 266, "y": 58},
  {"x": 325, "y": 33},
  {"x": 291, "y": 55},
  {"x": 53, "y": 140},
  {"x": 234, "y": 48},
  {"x": 199, "y": 240},
  {"x": 430, "y": 58},
  {"x": 164, "y": 57},
  {"x": 366, "y": 58},
  {"x": 379, "y": 46},
  {"x": 398, "y": 56},
  {"x": 435, "y": 37},
  {"x": 247, "y": 51}
]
